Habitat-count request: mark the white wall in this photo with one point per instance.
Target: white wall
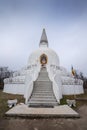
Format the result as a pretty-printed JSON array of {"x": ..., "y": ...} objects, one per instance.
[
  {"x": 72, "y": 89},
  {"x": 14, "y": 88}
]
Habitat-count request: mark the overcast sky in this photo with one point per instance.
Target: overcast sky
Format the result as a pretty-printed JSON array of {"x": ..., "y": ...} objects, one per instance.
[{"x": 21, "y": 24}]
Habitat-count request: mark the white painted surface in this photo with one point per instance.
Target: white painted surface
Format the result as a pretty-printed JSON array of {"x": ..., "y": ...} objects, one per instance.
[
  {"x": 34, "y": 58},
  {"x": 72, "y": 89},
  {"x": 14, "y": 88},
  {"x": 63, "y": 82}
]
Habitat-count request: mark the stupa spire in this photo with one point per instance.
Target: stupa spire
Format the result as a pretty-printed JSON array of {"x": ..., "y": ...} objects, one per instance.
[{"x": 43, "y": 40}]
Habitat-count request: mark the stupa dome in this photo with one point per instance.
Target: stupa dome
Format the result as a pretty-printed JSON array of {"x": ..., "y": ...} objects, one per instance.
[
  {"x": 48, "y": 55},
  {"x": 52, "y": 57}
]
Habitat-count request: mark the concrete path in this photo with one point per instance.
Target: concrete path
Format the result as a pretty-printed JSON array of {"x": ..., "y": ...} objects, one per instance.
[{"x": 22, "y": 110}]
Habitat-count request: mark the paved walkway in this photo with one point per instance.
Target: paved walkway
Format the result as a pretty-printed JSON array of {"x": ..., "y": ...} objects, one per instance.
[{"x": 58, "y": 111}]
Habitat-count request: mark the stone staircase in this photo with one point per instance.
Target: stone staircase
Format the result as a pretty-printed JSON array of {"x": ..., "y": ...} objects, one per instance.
[{"x": 42, "y": 95}]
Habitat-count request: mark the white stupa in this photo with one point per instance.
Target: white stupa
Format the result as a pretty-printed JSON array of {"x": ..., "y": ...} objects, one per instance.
[{"x": 42, "y": 63}]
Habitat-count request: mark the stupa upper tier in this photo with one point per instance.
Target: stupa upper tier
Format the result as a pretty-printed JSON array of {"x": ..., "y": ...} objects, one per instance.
[{"x": 43, "y": 40}]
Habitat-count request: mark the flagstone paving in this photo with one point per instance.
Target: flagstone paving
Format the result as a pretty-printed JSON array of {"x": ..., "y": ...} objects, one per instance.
[{"x": 58, "y": 111}]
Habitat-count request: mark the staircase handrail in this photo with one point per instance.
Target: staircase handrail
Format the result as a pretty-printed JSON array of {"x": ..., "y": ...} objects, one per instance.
[
  {"x": 33, "y": 74},
  {"x": 56, "y": 89},
  {"x": 29, "y": 92}
]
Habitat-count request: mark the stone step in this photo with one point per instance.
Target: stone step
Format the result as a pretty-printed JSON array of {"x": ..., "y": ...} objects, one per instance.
[
  {"x": 43, "y": 73},
  {"x": 43, "y": 70},
  {"x": 43, "y": 85},
  {"x": 44, "y": 104},
  {"x": 36, "y": 89},
  {"x": 41, "y": 82},
  {"x": 37, "y": 93},
  {"x": 43, "y": 79},
  {"x": 43, "y": 88},
  {"x": 43, "y": 76},
  {"x": 42, "y": 95},
  {"x": 42, "y": 92},
  {"x": 43, "y": 99}
]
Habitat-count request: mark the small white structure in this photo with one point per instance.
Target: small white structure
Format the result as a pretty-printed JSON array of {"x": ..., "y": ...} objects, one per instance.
[
  {"x": 12, "y": 103},
  {"x": 71, "y": 103},
  {"x": 63, "y": 82}
]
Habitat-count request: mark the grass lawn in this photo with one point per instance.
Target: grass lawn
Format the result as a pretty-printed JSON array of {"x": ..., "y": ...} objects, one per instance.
[
  {"x": 4, "y": 97},
  {"x": 72, "y": 97}
]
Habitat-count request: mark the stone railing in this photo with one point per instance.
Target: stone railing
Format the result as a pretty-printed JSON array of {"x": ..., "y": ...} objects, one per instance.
[
  {"x": 33, "y": 73},
  {"x": 72, "y": 82},
  {"x": 28, "y": 91},
  {"x": 53, "y": 75},
  {"x": 19, "y": 77},
  {"x": 14, "y": 80}
]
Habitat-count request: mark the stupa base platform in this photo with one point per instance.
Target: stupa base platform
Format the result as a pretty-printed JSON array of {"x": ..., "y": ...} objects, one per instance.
[{"x": 62, "y": 111}]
